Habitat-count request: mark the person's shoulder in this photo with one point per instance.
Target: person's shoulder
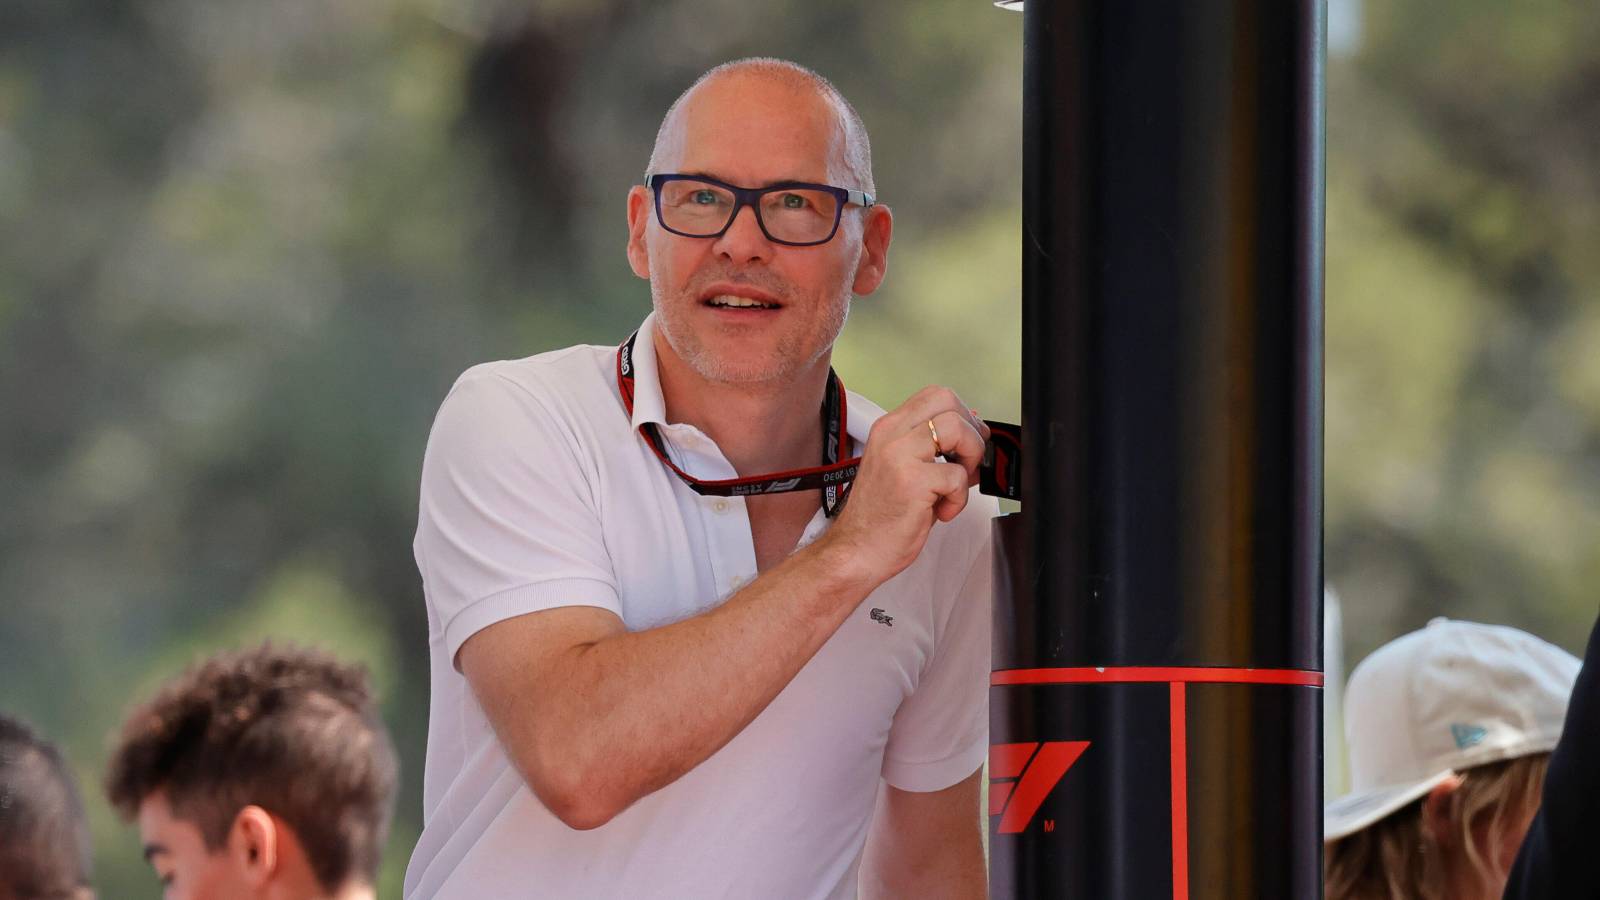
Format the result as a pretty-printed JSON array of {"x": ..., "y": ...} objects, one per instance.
[
  {"x": 562, "y": 391},
  {"x": 555, "y": 373}
]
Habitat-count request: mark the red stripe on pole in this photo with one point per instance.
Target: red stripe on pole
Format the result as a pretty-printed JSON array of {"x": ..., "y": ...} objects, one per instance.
[
  {"x": 1136, "y": 674},
  {"x": 1180, "y": 794},
  {"x": 1008, "y": 760}
]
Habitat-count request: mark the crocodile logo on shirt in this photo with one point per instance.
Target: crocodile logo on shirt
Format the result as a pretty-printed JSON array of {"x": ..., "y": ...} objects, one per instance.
[{"x": 878, "y": 615}]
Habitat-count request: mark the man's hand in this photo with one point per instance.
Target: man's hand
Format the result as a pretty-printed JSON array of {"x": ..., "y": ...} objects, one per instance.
[{"x": 903, "y": 486}]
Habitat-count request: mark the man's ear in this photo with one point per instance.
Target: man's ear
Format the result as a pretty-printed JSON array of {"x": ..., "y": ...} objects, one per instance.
[
  {"x": 254, "y": 845},
  {"x": 877, "y": 228},
  {"x": 1437, "y": 811},
  {"x": 639, "y": 212}
]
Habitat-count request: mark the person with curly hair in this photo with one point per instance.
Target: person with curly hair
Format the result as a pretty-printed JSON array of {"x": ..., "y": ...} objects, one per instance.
[{"x": 260, "y": 773}]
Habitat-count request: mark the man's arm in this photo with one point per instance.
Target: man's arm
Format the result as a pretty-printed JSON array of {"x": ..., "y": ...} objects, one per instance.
[
  {"x": 595, "y": 717},
  {"x": 927, "y": 844}
]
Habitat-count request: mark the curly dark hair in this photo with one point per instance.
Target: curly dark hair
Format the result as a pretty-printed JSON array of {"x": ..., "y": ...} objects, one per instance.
[
  {"x": 44, "y": 838},
  {"x": 290, "y": 730}
]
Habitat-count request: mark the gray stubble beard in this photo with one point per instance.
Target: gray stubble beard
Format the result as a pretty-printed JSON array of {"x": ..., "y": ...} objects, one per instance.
[{"x": 684, "y": 343}]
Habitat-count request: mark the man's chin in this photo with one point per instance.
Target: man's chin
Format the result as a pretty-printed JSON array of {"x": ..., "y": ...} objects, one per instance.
[
  {"x": 733, "y": 370},
  {"x": 741, "y": 359}
]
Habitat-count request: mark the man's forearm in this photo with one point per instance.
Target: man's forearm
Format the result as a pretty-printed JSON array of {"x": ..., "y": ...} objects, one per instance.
[
  {"x": 955, "y": 871},
  {"x": 631, "y": 713},
  {"x": 927, "y": 844}
]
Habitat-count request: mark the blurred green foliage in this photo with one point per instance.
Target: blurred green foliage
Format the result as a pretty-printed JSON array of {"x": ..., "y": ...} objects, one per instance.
[
  {"x": 1463, "y": 392},
  {"x": 245, "y": 248}
]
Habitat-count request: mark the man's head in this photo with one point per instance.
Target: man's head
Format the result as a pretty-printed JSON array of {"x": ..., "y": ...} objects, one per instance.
[
  {"x": 44, "y": 839},
  {"x": 260, "y": 773},
  {"x": 754, "y": 123}
]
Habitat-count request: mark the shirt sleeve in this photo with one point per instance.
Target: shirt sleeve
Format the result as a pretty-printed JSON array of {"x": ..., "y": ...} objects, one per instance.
[
  {"x": 940, "y": 734},
  {"x": 1554, "y": 862},
  {"x": 507, "y": 523}
]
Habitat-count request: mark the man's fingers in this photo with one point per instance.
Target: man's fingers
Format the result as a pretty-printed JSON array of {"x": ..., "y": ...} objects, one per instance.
[
  {"x": 950, "y": 440},
  {"x": 928, "y": 448},
  {"x": 982, "y": 426},
  {"x": 952, "y": 483},
  {"x": 959, "y": 441},
  {"x": 928, "y": 403}
]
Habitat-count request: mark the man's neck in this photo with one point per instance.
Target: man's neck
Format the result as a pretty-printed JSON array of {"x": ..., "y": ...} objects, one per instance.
[
  {"x": 760, "y": 428},
  {"x": 295, "y": 880},
  {"x": 300, "y": 889}
]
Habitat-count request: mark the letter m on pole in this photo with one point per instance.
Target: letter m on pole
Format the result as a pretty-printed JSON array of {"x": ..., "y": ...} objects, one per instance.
[{"x": 1022, "y": 775}]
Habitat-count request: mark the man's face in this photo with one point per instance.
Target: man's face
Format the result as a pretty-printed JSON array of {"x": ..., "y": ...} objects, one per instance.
[
  {"x": 177, "y": 851},
  {"x": 752, "y": 131}
]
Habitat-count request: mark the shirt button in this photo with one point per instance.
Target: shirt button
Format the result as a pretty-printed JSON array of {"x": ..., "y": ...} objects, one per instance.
[{"x": 720, "y": 505}]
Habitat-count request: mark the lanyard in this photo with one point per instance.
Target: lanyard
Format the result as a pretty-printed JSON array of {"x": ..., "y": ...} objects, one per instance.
[
  {"x": 999, "y": 474},
  {"x": 833, "y": 476}
]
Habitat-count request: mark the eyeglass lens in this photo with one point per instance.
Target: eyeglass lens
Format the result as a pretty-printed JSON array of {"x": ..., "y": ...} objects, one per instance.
[{"x": 702, "y": 209}]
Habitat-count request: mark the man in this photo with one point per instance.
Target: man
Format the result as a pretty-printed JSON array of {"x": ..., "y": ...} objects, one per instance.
[
  {"x": 44, "y": 838},
  {"x": 259, "y": 774},
  {"x": 645, "y": 685}
]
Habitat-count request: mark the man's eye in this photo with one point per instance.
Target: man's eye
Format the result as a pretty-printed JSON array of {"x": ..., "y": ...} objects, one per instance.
[
  {"x": 703, "y": 197},
  {"x": 793, "y": 201}
]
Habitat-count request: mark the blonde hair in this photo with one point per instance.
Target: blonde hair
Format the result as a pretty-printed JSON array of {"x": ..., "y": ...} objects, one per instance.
[{"x": 1399, "y": 858}]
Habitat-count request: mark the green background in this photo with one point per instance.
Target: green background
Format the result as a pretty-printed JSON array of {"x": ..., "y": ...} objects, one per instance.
[{"x": 245, "y": 247}]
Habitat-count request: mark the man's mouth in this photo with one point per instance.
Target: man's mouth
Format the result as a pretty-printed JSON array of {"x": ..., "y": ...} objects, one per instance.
[{"x": 734, "y": 301}]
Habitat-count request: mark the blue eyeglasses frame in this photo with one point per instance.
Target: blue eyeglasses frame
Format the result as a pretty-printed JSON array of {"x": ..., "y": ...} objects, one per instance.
[{"x": 743, "y": 196}]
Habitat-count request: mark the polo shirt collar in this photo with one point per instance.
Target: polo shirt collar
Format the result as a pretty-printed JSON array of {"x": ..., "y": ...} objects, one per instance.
[{"x": 650, "y": 406}]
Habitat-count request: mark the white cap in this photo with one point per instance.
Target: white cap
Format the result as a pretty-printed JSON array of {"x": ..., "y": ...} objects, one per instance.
[{"x": 1437, "y": 701}]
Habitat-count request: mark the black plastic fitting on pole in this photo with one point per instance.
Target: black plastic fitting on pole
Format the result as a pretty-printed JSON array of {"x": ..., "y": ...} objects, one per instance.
[{"x": 1156, "y": 701}]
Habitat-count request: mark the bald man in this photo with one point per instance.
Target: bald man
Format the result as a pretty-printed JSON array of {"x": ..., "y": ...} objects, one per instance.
[{"x": 679, "y": 647}]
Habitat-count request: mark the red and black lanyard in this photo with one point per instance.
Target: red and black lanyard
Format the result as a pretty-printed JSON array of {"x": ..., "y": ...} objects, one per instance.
[
  {"x": 999, "y": 474},
  {"x": 833, "y": 477}
]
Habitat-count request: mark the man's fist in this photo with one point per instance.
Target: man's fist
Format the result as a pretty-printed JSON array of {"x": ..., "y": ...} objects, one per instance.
[{"x": 920, "y": 460}]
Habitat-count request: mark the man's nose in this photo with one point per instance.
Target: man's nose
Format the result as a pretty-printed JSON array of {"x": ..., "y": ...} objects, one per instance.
[{"x": 744, "y": 242}]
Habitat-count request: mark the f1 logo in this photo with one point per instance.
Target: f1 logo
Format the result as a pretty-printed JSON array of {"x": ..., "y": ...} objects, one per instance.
[{"x": 1020, "y": 778}]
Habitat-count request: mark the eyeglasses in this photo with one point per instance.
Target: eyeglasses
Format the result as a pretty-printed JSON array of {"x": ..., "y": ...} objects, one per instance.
[{"x": 792, "y": 212}]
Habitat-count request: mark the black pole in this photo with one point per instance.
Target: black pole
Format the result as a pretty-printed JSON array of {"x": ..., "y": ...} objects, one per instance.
[{"x": 1156, "y": 714}]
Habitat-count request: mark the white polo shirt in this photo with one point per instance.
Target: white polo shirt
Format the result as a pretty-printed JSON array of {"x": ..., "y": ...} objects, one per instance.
[{"x": 537, "y": 492}]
